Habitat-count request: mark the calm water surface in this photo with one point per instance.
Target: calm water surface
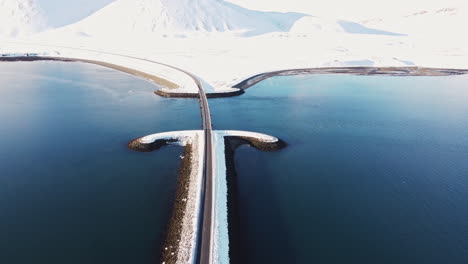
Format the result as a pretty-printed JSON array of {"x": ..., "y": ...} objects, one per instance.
[
  {"x": 376, "y": 170},
  {"x": 70, "y": 190}
]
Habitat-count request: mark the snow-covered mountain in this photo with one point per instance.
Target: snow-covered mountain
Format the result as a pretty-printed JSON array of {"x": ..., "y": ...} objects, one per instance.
[
  {"x": 181, "y": 18},
  {"x": 19, "y": 18}
]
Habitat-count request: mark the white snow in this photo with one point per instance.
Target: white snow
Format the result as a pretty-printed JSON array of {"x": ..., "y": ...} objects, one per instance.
[
  {"x": 19, "y": 18},
  {"x": 237, "y": 133},
  {"x": 222, "y": 58},
  {"x": 179, "y": 18},
  {"x": 221, "y": 235},
  {"x": 182, "y": 137}
]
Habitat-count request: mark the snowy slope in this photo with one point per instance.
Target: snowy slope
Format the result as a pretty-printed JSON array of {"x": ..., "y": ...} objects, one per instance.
[
  {"x": 425, "y": 22},
  {"x": 181, "y": 18},
  {"x": 312, "y": 26},
  {"x": 19, "y": 18}
]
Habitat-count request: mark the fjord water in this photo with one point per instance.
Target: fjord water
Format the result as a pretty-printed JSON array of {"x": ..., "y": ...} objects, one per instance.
[
  {"x": 375, "y": 171},
  {"x": 70, "y": 190}
]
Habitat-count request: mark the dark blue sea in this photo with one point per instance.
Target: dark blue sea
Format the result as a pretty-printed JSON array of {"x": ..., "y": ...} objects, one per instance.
[
  {"x": 375, "y": 171},
  {"x": 70, "y": 189}
]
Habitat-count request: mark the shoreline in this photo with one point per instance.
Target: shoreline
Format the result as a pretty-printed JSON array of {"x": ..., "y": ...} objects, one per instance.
[
  {"x": 139, "y": 74},
  {"x": 164, "y": 91},
  {"x": 362, "y": 71},
  {"x": 253, "y": 80}
]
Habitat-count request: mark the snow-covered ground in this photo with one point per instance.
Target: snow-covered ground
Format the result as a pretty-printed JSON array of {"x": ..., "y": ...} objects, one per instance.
[{"x": 208, "y": 39}]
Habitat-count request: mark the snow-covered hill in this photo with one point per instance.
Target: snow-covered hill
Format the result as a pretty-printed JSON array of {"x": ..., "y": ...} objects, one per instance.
[
  {"x": 181, "y": 18},
  {"x": 440, "y": 22},
  {"x": 313, "y": 26},
  {"x": 19, "y": 18}
]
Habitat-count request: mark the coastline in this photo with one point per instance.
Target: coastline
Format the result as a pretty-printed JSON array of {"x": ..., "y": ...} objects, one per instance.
[
  {"x": 168, "y": 89},
  {"x": 181, "y": 235},
  {"x": 370, "y": 71},
  {"x": 163, "y": 93},
  {"x": 152, "y": 78},
  {"x": 172, "y": 90}
]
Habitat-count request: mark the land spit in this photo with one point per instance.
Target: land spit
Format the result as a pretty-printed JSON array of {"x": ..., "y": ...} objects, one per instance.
[
  {"x": 182, "y": 231},
  {"x": 164, "y": 93},
  {"x": 385, "y": 71},
  {"x": 149, "y": 77},
  {"x": 172, "y": 89},
  {"x": 167, "y": 88}
]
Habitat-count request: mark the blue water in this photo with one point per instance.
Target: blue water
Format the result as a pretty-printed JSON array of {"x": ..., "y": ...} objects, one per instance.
[
  {"x": 375, "y": 171},
  {"x": 70, "y": 190}
]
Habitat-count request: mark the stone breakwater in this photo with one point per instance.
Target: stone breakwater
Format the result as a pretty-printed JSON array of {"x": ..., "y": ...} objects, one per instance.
[
  {"x": 182, "y": 232},
  {"x": 173, "y": 94},
  {"x": 171, "y": 81}
]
